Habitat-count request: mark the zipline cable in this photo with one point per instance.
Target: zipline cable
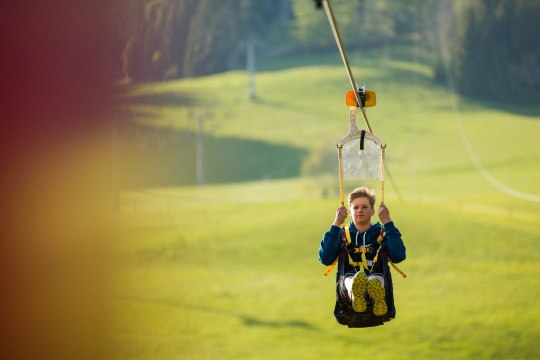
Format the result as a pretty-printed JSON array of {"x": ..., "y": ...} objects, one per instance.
[{"x": 337, "y": 36}]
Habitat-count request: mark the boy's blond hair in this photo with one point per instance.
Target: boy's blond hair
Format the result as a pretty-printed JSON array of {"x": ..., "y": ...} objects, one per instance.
[{"x": 362, "y": 191}]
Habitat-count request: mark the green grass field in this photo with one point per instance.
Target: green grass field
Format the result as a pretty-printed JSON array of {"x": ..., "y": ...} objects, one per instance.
[{"x": 230, "y": 271}]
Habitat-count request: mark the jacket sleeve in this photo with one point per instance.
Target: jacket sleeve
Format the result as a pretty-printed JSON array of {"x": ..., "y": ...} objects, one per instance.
[
  {"x": 393, "y": 243},
  {"x": 330, "y": 245}
]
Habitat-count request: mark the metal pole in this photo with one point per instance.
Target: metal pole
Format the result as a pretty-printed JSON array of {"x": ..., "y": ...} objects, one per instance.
[
  {"x": 200, "y": 150},
  {"x": 383, "y": 149},
  {"x": 341, "y": 185},
  {"x": 250, "y": 62},
  {"x": 115, "y": 179}
]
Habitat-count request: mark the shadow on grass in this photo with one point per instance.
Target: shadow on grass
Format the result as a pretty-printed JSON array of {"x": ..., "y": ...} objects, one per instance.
[
  {"x": 470, "y": 104},
  {"x": 175, "y": 98},
  {"x": 364, "y": 55},
  {"x": 252, "y": 321},
  {"x": 248, "y": 320},
  {"x": 473, "y": 105},
  {"x": 151, "y": 157}
]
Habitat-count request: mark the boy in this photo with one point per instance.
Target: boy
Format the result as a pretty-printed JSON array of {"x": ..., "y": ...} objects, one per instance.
[{"x": 356, "y": 274}]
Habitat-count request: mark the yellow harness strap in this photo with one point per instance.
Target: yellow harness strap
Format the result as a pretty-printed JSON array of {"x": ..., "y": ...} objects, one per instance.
[
  {"x": 379, "y": 240},
  {"x": 330, "y": 268},
  {"x": 397, "y": 269},
  {"x": 348, "y": 234},
  {"x": 362, "y": 264}
]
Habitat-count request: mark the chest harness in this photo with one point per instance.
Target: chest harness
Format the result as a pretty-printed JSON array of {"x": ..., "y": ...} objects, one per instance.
[{"x": 361, "y": 263}]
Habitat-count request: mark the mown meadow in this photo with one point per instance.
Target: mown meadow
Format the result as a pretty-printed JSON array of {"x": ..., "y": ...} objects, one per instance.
[{"x": 229, "y": 270}]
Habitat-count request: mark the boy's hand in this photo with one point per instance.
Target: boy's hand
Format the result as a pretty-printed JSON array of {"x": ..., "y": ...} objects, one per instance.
[
  {"x": 384, "y": 214},
  {"x": 341, "y": 215}
]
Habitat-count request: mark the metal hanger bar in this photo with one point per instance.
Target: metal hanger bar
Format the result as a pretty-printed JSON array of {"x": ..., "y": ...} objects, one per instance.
[{"x": 337, "y": 36}]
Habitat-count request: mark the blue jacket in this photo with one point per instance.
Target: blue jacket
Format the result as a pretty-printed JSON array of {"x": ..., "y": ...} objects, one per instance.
[{"x": 331, "y": 243}]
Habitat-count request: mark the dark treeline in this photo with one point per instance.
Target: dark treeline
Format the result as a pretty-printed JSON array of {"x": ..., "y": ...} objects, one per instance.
[
  {"x": 166, "y": 39},
  {"x": 151, "y": 157},
  {"x": 497, "y": 51},
  {"x": 492, "y": 44}
]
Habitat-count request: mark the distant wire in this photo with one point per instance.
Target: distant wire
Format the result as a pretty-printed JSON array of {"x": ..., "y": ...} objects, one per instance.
[
  {"x": 463, "y": 135},
  {"x": 167, "y": 197},
  {"x": 389, "y": 176}
]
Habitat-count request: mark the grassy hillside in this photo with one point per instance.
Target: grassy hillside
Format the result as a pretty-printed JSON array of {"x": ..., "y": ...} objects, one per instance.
[{"x": 231, "y": 272}]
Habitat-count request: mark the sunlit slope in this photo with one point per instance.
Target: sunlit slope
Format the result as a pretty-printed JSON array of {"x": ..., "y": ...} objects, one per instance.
[
  {"x": 234, "y": 268},
  {"x": 304, "y": 107},
  {"x": 231, "y": 271}
]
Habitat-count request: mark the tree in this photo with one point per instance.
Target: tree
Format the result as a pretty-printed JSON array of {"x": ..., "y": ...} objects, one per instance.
[
  {"x": 497, "y": 55},
  {"x": 178, "y": 38},
  {"x": 155, "y": 34}
]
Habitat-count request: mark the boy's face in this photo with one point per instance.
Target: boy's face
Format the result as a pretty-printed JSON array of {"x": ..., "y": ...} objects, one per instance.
[{"x": 361, "y": 211}]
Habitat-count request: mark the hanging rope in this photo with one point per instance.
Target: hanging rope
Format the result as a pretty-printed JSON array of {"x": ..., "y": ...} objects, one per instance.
[
  {"x": 383, "y": 148},
  {"x": 341, "y": 186}
]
